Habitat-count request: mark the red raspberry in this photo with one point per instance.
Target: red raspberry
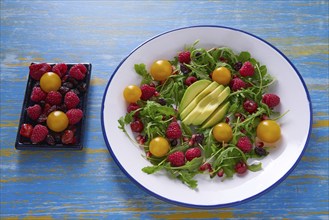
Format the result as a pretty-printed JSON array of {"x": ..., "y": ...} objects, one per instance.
[
  {"x": 190, "y": 80},
  {"x": 173, "y": 131},
  {"x": 39, "y": 133},
  {"x": 26, "y": 130},
  {"x": 247, "y": 69},
  {"x": 240, "y": 167},
  {"x": 147, "y": 92},
  {"x": 78, "y": 71},
  {"x": 34, "y": 111},
  {"x": 176, "y": 159},
  {"x": 54, "y": 98},
  {"x": 137, "y": 126},
  {"x": 60, "y": 69},
  {"x": 74, "y": 115},
  {"x": 184, "y": 57},
  {"x": 244, "y": 144},
  {"x": 37, "y": 94},
  {"x": 271, "y": 100},
  {"x": 71, "y": 100},
  {"x": 237, "y": 84},
  {"x": 250, "y": 106},
  {"x": 133, "y": 107},
  {"x": 37, "y": 70},
  {"x": 192, "y": 153}
]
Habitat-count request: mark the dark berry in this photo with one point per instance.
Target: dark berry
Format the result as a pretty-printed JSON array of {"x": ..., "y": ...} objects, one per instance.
[
  {"x": 184, "y": 69},
  {"x": 50, "y": 139},
  {"x": 68, "y": 85},
  {"x": 42, "y": 118},
  {"x": 162, "y": 101},
  {"x": 237, "y": 66},
  {"x": 198, "y": 138},
  {"x": 250, "y": 106},
  {"x": 63, "y": 90},
  {"x": 82, "y": 87},
  {"x": 260, "y": 151},
  {"x": 173, "y": 142}
]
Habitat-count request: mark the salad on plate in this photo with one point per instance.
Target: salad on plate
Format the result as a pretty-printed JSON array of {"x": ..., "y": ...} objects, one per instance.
[{"x": 205, "y": 111}]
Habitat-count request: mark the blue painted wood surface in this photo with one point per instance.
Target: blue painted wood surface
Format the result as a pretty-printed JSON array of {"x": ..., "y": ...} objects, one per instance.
[{"x": 88, "y": 184}]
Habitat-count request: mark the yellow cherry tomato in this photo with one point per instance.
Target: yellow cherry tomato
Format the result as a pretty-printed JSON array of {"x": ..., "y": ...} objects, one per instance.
[
  {"x": 50, "y": 82},
  {"x": 222, "y": 75},
  {"x": 159, "y": 146},
  {"x": 57, "y": 121},
  {"x": 132, "y": 93},
  {"x": 161, "y": 70},
  {"x": 268, "y": 131},
  {"x": 222, "y": 132}
]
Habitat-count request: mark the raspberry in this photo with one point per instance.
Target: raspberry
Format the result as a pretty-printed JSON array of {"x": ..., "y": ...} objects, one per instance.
[
  {"x": 74, "y": 115},
  {"x": 60, "y": 69},
  {"x": 37, "y": 70},
  {"x": 192, "y": 153},
  {"x": 184, "y": 57},
  {"x": 173, "y": 131},
  {"x": 244, "y": 144},
  {"x": 240, "y": 167},
  {"x": 133, "y": 107},
  {"x": 271, "y": 100},
  {"x": 137, "y": 126},
  {"x": 54, "y": 98},
  {"x": 37, "y": 94},
  {"x": 34, "y": 111},
  {"x": 71, "y": 100},
  {"x": 190, "y": 80},
  {"x": 78, "y": 71},
  {"x": 39, "y": 133},
  {"x": 247, "y": 69},
  {"x": 26, "y": 130},
  {"x": 176, "y": 159},
  {"x": 250, "y": 106},
  {"x": 147, "y": 92},
  {"x": 237, "y": 84}
]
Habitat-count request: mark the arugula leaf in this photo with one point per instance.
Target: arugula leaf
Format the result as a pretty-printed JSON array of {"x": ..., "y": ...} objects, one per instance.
[
  {"x": 152, "y": 169},
  {"x": 255, "y": 167},
  {"x": 141, "y": 70}
]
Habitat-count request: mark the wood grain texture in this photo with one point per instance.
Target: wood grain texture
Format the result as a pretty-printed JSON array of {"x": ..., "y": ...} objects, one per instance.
[{"x": 88, "y": 184}]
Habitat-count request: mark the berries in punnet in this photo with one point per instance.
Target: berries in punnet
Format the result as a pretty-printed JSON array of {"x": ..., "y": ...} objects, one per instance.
[
  {"x": 137, "y": 126},
  {"x": 147, "y": 92},
  {"x": 244, "y": 144},
  {"x": 37, "y": 94},
  {"x": 184, "y": 57},
  {"x": 173, "y": 130},
  {"x": 71, "y": 100},
  {"x": 237, "y": 84},
  {"x": 190, "y": 80},
  {"x": 74, "y": 115},
  {"x": 78, "y": 71},
  {"x": 60, "y": 69},
  {"x": 192, "y": 153},
  {"x": 38, "y": 69},
  {"x": 54, "y": 98},
  {"x": 240, "y": 167},
  {"x": 176, "y": 159},
  {"x": 68, "y": 137},
  {"x": 39, "y": 133},
  {"x": 34, "y": 111},
  {"x": 271, "y": 100},
  {"x": 26, "y": 130},
  {"x": 247, "y": 69},
  {"x": 250, "y": 106}
]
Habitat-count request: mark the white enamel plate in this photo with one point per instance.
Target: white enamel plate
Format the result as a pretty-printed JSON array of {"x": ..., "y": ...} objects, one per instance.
[{"x": 295, "y": 126}]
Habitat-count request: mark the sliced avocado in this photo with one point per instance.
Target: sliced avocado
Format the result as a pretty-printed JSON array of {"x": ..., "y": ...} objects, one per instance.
[
  {"x": 211, "y": 87},
  {"x": 206, "y": 105},
  {"x": 217, "y": 116},
  {"x": 191, "y": 92}
]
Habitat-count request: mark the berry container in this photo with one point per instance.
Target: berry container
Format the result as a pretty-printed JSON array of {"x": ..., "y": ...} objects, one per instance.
[{"x": 54, "y": 141}]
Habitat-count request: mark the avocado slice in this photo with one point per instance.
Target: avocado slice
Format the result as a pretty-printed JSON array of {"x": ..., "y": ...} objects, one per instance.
[
  {"x": 211, "y": 87},
  {"x": 217, "y": 116},
  {"x": 204, "y": 108},
  {"x": 191, "y": 92},
  {"x": 209, "y": 106}
]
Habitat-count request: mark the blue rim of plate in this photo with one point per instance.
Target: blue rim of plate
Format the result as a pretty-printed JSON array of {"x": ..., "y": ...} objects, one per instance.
[{"x": 218, "y": 205}]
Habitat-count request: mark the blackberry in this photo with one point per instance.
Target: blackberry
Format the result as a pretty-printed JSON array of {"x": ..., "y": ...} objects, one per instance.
[
  {"x": 162, "y": 101},
  {"x": 68, "y": 85},
  {"x": 237, "y": 66},
  {"x": 184, "y": 69},
  {"x": 50, "y": 139},
  {"x": 173, "y": 142}
]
